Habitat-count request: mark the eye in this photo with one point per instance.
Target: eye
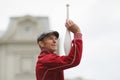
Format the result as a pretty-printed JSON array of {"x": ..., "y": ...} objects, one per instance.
[
  {"x": 50, "y": 38},
  {"x": 55, "y": 38}
]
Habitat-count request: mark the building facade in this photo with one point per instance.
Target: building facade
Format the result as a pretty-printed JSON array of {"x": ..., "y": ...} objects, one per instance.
[{"x": 19, "y": 49}]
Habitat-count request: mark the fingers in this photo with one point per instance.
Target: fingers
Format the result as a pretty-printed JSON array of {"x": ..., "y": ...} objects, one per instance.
[
  {"x": 71, "y": 26},
  {"x": 69, "y": 22}
]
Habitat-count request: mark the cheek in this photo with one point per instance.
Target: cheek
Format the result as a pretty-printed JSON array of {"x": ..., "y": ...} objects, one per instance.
[{"x": 47, "y": 44}]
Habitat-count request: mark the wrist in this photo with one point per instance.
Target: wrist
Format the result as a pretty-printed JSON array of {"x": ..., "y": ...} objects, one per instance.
[
  {"x": 78, "y": 35},
  {"x": 77, "y": 31}
]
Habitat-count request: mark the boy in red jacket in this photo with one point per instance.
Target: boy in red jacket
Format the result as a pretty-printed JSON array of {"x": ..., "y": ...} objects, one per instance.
[{"x": 49, "y": 65}]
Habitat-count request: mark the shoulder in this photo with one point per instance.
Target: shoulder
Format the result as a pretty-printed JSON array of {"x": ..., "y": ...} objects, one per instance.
[{"x": 48, "y": 57}]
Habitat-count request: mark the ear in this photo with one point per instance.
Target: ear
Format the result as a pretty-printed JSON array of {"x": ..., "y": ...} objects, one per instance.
[{"x": 41, "y": 44}]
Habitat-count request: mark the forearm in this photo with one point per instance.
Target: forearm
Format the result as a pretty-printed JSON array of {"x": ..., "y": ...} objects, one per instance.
[{"x": 76, "y": 50}]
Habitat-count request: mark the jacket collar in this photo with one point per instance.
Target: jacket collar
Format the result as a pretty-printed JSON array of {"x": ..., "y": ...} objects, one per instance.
[{"x": 46, "y": 51}]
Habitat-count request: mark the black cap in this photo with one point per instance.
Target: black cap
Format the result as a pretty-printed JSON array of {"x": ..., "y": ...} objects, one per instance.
[{"x": 47, "y": 33}]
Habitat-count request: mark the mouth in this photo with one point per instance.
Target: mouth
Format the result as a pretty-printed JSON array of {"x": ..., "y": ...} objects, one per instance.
[{"x": 54, "y": 45}]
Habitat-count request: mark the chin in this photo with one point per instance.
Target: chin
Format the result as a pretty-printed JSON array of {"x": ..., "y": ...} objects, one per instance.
[{"x": 54, "y": 50}]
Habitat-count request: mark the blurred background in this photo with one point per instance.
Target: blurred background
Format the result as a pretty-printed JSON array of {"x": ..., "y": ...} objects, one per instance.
[{"x": 21, "y": 21}]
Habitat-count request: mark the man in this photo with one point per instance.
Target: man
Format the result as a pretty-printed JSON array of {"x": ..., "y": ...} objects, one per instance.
[{"x": 50, "y": 66}]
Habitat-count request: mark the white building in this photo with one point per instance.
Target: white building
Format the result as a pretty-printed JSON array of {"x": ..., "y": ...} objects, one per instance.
[{"x": 19, "y": 49}]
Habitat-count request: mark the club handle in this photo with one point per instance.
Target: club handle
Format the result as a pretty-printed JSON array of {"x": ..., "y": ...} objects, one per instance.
[{"x": 67, "y": 40}]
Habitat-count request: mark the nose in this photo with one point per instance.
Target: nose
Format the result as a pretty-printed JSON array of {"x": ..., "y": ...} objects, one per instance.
[{"x": 55, "y": 41}]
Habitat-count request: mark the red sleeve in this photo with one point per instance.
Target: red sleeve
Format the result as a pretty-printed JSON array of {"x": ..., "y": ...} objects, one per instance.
[{"x": 54, "y": 62}]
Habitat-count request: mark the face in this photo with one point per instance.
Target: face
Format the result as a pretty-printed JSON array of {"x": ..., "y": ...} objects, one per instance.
[{"x": 49, "y": 42}]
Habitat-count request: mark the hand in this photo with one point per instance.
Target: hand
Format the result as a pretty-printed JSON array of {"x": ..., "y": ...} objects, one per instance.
[{"x": 71, "y": 26}]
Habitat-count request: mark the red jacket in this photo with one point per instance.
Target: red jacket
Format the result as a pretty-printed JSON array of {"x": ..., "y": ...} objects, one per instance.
[{"x": 50, "y": 66}]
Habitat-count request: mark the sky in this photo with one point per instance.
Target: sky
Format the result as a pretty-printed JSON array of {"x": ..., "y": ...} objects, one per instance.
[{"x": 99, "y": 21}]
